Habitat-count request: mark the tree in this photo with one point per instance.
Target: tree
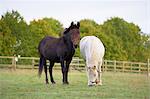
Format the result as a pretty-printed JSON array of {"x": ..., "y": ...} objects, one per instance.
[
  {"x": 88, "y": 27},
  {"x": 7, "y": 40},
  {"x": 145, "y": 49},
  {"x": 122, "y": 40},
  {"x": 41, "y": 28},
  {"x": 127, "y": 38},
  {"x": 19, "y": 29}
]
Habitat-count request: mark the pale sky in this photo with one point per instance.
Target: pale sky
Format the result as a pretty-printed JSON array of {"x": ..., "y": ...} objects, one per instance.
[{"x": 65, "y": 11}]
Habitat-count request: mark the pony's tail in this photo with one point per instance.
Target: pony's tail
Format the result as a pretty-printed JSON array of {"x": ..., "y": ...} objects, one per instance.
[{"x": 41, "y": 63}]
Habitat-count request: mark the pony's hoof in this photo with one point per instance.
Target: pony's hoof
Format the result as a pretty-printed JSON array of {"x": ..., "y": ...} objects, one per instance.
[
  {"x": 99, "y": 84},
  {"x": 90, "y": 85},
  {"x": 97, "y": 81}
]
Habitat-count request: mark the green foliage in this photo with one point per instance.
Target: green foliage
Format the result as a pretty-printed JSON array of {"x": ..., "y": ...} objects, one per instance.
[
  {"x": 88, "y": 27},
  {"x": 127, "y": 39},
  {"x": 41, "y": 28},
  {"x": 18, "y": 30},
  {"x": 122, "y": 40},
  {"x": 7, "y": 40},
  {"x": 22, "y": 39},
  {"x": 46, "y": 26}
]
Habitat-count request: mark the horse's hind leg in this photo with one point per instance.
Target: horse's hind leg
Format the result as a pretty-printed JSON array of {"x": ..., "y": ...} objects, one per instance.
[
  {"x": 63, "y": 69},
  {"x": 41, "y": 65},
  {"x": 45, "y": 69},
  {"x": 51, "y": 72}
]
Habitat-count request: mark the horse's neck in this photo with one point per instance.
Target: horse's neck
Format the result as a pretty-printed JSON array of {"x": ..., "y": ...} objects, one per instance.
[
  {"x": 68, "y": 42},
  {"x": 70, "y": 45}
]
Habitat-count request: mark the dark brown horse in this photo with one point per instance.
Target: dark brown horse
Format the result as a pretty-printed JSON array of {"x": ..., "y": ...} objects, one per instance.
[{"x": 59, "y": 50}]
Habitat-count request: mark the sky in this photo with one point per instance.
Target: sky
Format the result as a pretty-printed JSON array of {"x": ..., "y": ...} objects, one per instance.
[{"x": 66, "y": 11}]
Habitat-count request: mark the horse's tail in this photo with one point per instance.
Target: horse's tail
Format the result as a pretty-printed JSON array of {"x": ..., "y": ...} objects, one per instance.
[{"x": 41, "y": 63}]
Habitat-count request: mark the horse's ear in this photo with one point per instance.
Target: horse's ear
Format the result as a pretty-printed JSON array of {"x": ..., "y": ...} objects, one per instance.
[
  {"x": 72, "y": 23},
  {"x": 78, "y": 24}
]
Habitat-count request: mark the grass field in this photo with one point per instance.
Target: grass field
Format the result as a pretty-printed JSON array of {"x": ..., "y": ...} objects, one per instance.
[{"x": 25, "y": 84}]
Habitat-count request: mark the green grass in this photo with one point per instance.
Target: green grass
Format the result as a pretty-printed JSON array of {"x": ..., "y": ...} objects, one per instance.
[{"x": 25, "y": 84}]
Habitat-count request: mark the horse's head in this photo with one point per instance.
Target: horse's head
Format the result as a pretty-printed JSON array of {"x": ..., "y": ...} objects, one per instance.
[{"x": 74, "y": 33}]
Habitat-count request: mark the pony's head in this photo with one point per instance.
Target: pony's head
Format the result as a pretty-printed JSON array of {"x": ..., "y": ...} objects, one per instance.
[
  {"x": 74, "y": 33},
  {"x": 92, "y": 74}
]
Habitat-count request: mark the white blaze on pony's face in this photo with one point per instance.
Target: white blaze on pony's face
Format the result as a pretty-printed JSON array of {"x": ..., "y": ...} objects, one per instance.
[{"x": 92, "y": 75}]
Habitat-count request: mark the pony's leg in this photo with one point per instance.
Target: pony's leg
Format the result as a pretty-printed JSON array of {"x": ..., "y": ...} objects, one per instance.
[
  {"x": 45, "y": 69},
  {"x": 99, "y": 73},
  {"x": 87, "y": 72},
  {"x": 51, "y": 72}
]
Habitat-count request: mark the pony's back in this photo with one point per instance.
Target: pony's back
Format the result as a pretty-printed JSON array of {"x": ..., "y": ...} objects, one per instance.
[{"x": 91, "y": 46}]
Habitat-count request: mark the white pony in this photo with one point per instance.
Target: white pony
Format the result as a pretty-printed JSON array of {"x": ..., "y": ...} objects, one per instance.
[{"x": 92, "y": 50}]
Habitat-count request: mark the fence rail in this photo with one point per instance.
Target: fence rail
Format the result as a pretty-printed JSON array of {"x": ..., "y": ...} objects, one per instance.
[{"x": 77, "y": 64}]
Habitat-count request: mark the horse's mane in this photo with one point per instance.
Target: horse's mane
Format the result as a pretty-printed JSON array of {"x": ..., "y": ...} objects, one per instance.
[
  {"x": 66, "y": 30},
  {"x": 72, "y": 26}
]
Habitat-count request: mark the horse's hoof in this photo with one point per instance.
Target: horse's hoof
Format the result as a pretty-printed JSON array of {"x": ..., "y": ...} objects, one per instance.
[
  {"x": 53, "y": 82},
  {"x": 66, "y": 83},
  {"x": 47, "y": 82}
]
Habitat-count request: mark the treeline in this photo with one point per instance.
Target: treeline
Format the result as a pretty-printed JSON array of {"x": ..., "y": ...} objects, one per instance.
[{"x": 122, "y": 40}]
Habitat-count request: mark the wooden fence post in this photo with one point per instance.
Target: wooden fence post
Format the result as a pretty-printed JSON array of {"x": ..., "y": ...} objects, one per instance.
[
  {"x": 14, "y": 63},
  {"x": 130, "y": 67},
  {"x": 122, "y": 66},
  {"x": 33, "y": 62},
  {"x": 114, "y": 65},
  {"x": 78, "y": 62},
  {"x": 139, "y": 68},
  {"x": 105, "y": 65},
  {"x": 148, "y": 67}
]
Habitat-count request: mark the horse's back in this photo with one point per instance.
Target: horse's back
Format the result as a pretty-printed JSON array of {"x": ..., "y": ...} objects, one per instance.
[
  {"x": 48, "y": 45},
  {"x": 91, "y": 46}
]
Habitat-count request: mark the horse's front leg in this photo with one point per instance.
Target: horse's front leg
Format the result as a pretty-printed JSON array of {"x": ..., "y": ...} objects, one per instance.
[
  {"x": 51, "y": 72},
  {"x": 64, "y": 69},
  {"x": 67, "y": 69}
]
